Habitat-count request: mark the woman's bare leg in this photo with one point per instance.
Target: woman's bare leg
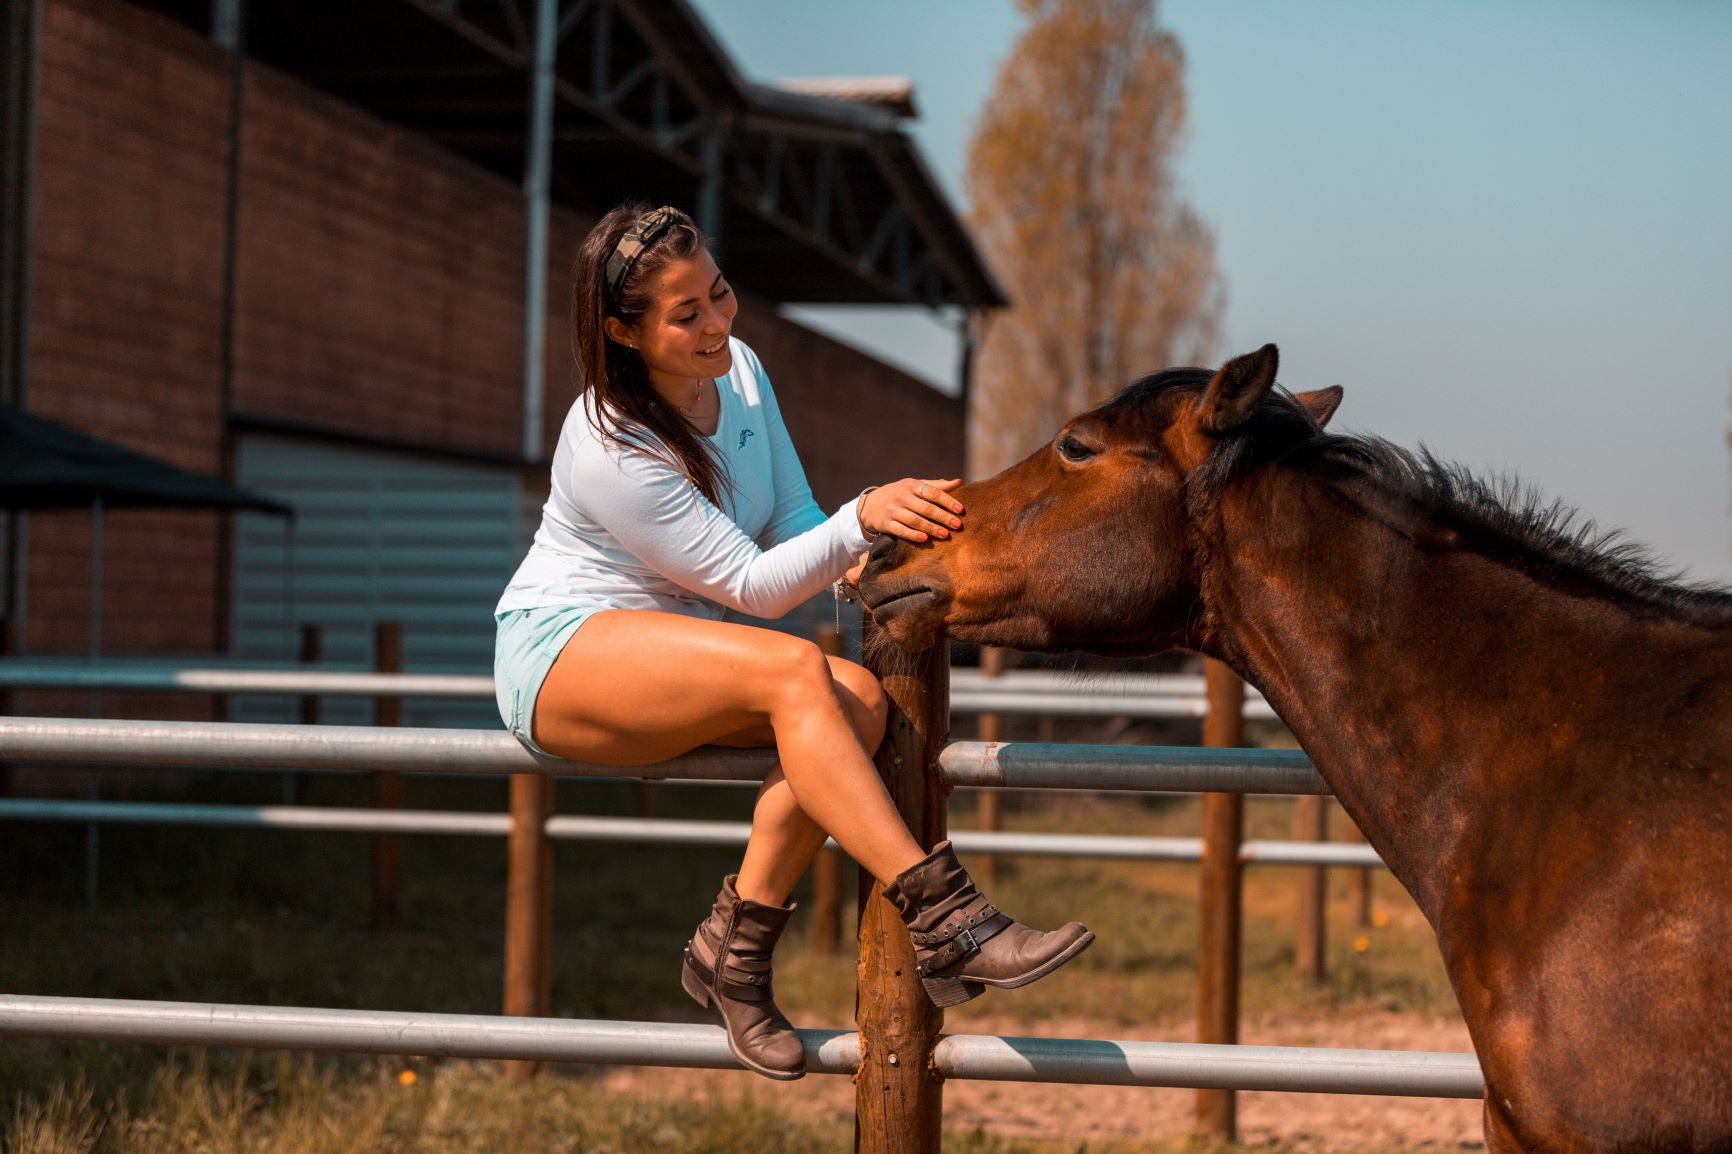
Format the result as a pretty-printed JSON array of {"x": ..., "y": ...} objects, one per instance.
[
  {"x": 784, "y": 839},
  {"x": 634, "y": 687}
]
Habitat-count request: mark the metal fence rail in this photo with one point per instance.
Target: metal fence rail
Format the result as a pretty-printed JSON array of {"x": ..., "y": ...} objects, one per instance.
[
  {"x": 1061, "y": 704},
  {"x": 298, "y": 680},
  {"x": 332, "y": 678},
  {"x": 1031, "y": 765},
  {"x": 205, "y": 744},
  {"x": 1142, "y": 768},
  {"x": 1021, "y": 692},
  {"x": 654, "y": 831},
  {"x": 1077, "y": 1061}
]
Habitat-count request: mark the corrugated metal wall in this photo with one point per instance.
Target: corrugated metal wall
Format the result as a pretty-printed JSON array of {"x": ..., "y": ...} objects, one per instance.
[{"x": 378, "y": 536}]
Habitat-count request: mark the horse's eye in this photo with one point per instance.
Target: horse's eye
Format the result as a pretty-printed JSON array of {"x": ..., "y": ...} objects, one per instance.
[{"x": 1072, "y": 449}]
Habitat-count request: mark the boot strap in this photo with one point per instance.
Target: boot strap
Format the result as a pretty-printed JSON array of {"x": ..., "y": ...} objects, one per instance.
[
  {"x": 735, "y": 983},
  {"x": 960, "y": 936}
]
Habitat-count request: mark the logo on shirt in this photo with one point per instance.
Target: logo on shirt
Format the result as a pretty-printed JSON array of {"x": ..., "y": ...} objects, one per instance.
[{"x": 744, "y": 433}]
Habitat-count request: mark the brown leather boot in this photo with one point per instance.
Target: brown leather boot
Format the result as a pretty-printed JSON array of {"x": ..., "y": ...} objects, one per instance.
[
  {"x": 962, "y": 943},
  {"x": 728, "y": 966}
]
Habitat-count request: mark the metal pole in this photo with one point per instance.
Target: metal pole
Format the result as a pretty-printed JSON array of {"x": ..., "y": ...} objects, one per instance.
[
  {"x": 20, "y": 25},
  {"x": 966, "y": 348},
  {"x": 348, "y": 749},
  {"x": 1222, "y": 891},
  {"x": 222, "y": 675},
  {"x": 1310, "y": 950},
  {"x": 339, "y": 748},
  {"x": 651, "y": 831},
  {"x": 1075, "y": 1061},
  {"x": 387, "y": 787},
  {"x": 93, "y": 776},
  {"x": 19, "y": 65},
  {"x": 1142, "y": 768},
  {"x": 710, "y": 187},
  {"x": 537, "y": 182},
  {"x": 166, "y": 675},
  {"x": 1072, "y": 704},
  {"x": 225, "y": 23},
  {"x": 229, "y": 29},
  {"x": 898, "y": 1095}
]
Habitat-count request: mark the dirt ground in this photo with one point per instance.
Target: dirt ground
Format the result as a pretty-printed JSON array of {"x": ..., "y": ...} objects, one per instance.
[{"x": 1332, "y": 1121}]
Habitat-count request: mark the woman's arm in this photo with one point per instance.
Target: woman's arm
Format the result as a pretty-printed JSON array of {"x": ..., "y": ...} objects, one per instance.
[
  {"x": 794, "y": 511},
  {"x": 661, "y": 518}
]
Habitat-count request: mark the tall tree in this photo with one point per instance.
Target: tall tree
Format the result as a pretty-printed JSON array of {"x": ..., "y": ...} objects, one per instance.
[{"x": 1073, "y": 199}]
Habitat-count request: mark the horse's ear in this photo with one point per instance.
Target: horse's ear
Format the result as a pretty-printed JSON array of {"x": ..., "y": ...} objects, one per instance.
[
  {"x": 1234, "y": 392},
  {"x": 1321, "y": 403}
]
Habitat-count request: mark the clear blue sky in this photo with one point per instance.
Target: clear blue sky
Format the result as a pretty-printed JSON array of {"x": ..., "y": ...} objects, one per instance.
[{"x": 1506, "y": 228}]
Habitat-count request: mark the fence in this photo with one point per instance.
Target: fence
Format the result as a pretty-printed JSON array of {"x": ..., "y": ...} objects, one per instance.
[
  {"x": 1040, "y": 693},
  {"x": 898, "y": 1051}
]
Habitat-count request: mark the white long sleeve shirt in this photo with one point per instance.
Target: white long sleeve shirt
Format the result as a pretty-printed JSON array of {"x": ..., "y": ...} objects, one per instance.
[{"x": 623, "y": 530}]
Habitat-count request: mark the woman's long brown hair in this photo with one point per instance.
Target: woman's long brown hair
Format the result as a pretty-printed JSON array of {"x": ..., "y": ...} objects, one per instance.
[{"x": 622, "y": 404}]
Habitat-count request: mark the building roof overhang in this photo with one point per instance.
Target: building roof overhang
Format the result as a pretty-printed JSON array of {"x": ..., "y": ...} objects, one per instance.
[{"x": 814, "y": 190}]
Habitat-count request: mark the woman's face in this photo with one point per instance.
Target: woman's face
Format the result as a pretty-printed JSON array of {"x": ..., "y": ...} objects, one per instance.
[{"x": 684, "y": 336}]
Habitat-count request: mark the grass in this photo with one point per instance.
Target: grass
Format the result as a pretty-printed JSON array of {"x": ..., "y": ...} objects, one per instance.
[
  {"x": 282, "y": 1104},
  {"x": 278, "y": 918}
]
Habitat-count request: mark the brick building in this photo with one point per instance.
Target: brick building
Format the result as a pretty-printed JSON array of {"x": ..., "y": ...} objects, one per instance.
[{"x": 300, "y": 266}]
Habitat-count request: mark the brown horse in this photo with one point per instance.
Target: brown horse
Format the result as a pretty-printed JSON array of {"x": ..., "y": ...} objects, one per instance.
[{"x": 1533, "y": 729}]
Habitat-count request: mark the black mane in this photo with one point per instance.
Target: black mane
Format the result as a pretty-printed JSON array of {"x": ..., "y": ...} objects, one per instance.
[
  {"x": 1544, "y": 537},
  {"x": 1548, "y": 538}
]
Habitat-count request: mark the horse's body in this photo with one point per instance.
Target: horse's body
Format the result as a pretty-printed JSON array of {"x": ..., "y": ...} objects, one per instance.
[{"x": 1534, "y": 732}]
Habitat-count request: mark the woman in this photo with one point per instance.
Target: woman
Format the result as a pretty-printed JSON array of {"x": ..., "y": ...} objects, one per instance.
[{"x": 676, "y": 495}]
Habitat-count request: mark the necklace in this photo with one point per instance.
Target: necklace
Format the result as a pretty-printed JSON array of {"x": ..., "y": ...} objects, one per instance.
[{"x": 697, "y": 394}]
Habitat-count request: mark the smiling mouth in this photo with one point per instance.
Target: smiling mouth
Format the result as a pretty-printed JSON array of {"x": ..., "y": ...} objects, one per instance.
[{"x": 719, "y": 347}]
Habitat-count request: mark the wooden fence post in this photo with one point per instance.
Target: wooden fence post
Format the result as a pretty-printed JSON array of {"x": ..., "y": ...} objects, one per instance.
[
  {"x": 1361, "y": 887},
  {"x": 312, "y": 651},
  {"x": 528, "y": 906},
  {"x": 387, "y": 787},
  {"x": 1310, "y": 949},
  {"x": 8, "y": 696},
  {"x": 898, "y": 1097},
  {"x": 827, "y": 869},
  {"x": 1221, "y": 897}
]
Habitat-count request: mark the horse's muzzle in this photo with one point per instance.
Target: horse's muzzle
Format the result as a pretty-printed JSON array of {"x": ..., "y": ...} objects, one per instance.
[{"x": 909, "y": 605}]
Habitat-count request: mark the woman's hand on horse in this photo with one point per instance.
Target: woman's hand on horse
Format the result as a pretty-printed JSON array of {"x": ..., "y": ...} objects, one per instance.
[{"x": 912, "y": 509}]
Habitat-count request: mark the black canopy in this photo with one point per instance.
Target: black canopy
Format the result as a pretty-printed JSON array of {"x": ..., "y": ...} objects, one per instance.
[{"x": 48, "y": 466}]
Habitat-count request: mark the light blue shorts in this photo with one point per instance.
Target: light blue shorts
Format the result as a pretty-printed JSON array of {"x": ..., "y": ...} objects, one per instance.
[{"x": 524, "y": 649}]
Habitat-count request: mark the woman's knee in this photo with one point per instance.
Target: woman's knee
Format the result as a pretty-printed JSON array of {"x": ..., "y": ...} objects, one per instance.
[
  {"x": 796, "y": 672},
  {"x": 868, "y": 708}
]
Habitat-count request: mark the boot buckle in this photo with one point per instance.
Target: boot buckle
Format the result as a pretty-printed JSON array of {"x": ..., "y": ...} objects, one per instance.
[{"x": 965, "y": 939}]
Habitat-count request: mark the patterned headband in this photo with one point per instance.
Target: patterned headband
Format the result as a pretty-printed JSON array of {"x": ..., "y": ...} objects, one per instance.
[{"x": 650, "y": 227}]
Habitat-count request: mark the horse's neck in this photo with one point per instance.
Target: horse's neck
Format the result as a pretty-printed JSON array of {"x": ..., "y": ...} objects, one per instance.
[{"x": 1413, "y": 676}]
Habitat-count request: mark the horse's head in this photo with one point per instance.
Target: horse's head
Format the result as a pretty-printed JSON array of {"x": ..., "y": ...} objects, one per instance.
[{"x": 1095, "y": 541}]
